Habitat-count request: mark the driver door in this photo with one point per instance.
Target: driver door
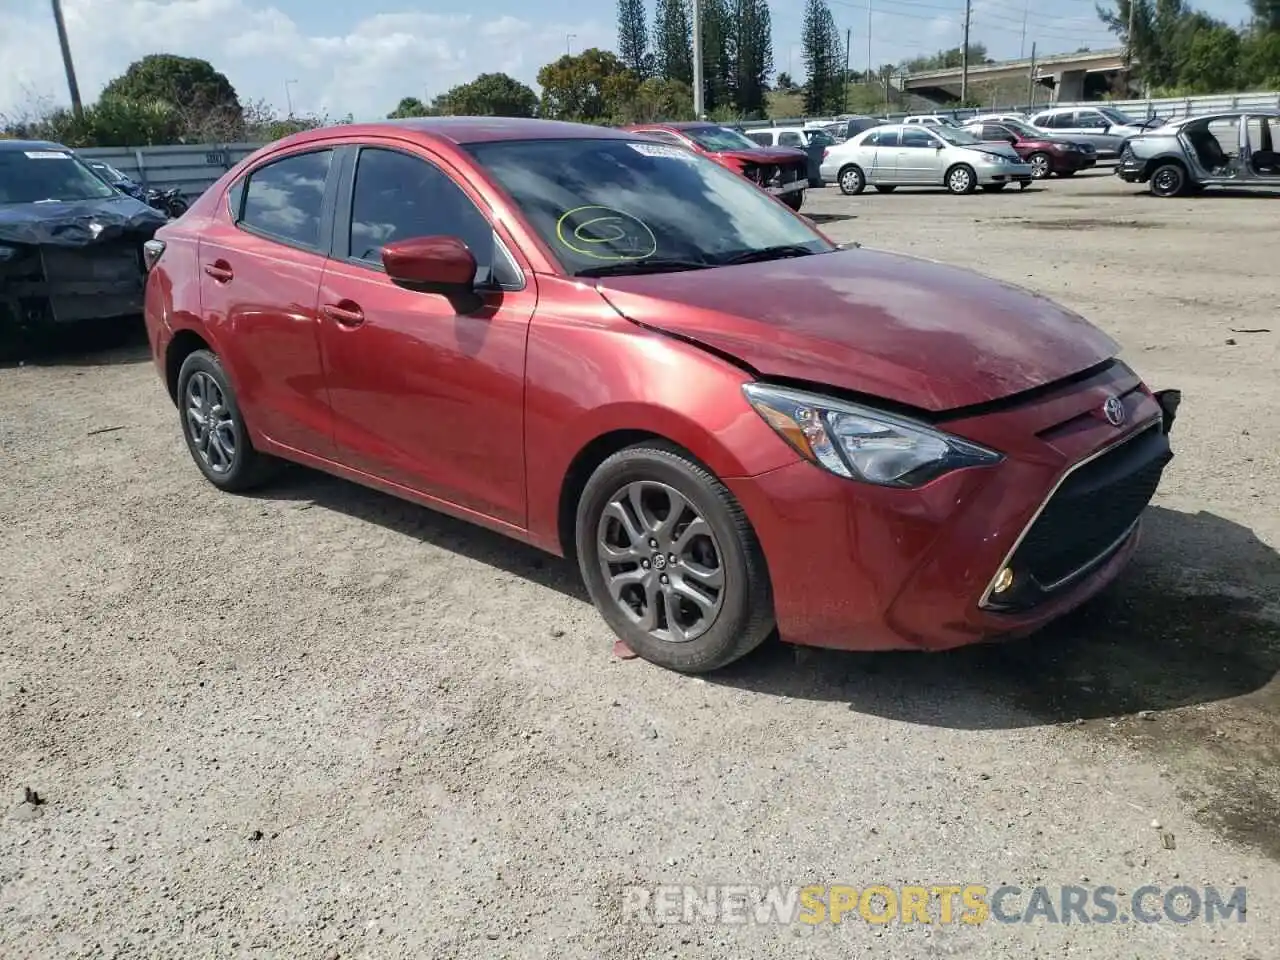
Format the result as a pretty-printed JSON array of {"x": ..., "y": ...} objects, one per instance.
[
  {"x": 423, "y": 396},
  {"x": 919, "y": 159}
]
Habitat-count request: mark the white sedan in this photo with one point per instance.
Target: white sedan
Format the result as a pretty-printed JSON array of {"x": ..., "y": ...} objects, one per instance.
[{"x": 902, "y": 155}]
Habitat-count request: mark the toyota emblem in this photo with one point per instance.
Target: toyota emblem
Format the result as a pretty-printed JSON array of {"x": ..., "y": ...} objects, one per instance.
[{"x": 1113, "y": 410}]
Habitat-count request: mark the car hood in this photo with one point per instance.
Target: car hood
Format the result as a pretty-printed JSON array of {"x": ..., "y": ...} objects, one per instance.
[
  {"x": 76, "y": 223},
  {"x": 1000, "y": 149},
  {"x": 765, "y": 155},
  {"x": 904, "y": 329}
]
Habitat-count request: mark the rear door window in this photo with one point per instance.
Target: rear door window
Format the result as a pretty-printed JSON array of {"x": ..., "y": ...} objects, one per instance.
[
  {"x": 789, "y": 138},
  {"x": 284, "y": 199},
  {"x": 762, "y": 137}
]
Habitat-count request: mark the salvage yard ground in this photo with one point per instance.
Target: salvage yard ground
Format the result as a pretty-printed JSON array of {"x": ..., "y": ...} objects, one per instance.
[{"x": 319, "y": 722}]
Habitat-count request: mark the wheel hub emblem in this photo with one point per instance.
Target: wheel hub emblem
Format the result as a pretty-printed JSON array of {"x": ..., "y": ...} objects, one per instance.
[
  {"x": 1114, "y": 411},
  {"x": 659, "y": 561}
]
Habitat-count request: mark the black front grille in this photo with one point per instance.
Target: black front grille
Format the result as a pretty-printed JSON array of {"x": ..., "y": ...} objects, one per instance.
[{"x": 1088, "y": 516}]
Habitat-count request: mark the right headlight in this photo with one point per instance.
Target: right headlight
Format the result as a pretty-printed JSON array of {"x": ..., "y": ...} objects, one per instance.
[{"x": 862, "y": 443}]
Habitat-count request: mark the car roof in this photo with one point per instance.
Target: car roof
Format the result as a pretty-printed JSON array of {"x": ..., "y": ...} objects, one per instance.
[
  {"x": 31, "y": 145},
  {"x": 460, "y": 130},
  {"x": 1182, "y": 121},
  {"x": 674, "y": 125}
]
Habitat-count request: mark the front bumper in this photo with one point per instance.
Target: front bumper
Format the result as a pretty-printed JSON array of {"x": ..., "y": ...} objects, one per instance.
[
  {"x": 990, "y": 174},
  {"x": 860, "y": 567}
]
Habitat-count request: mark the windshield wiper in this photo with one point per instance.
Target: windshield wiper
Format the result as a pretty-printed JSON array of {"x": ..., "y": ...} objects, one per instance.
[
  {"x": 766, "y": 253},
  {"x": 622, "y": 268}
]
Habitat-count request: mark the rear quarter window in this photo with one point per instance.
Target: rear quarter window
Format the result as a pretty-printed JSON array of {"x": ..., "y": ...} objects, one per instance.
[{"x": 284, "y": 198}]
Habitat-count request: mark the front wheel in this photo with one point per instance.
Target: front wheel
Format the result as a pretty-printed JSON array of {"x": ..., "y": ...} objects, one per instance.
[
  {"x": 1168, "y": 180},
  {"x": 961, "y": 179},
  {"x": 852, "y": 181},
  {"x": 1041, "y": 165},
  {"x": 214, "y": 427},
  {"x": 671, "y": 561},
  {"x": 794, "y": 199}
]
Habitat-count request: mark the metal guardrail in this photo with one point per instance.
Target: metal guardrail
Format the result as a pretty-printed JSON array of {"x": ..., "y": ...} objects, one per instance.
[
  {"x": 1166, "y": 107},
  {"x": 192, "y": 168}
]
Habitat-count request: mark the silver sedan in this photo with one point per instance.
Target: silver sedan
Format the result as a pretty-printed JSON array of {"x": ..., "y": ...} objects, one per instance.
[{"x": 901, "y": 155}]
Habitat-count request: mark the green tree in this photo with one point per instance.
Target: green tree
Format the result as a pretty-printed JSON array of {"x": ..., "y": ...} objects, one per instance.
[
  {"x": 592, "y": 87},
  {"x": 946, "y": 59},
  {"x": 717, "y": 56},
  {"x": 784, "y": 83},
  {"x": 633, "y": 38},
  {"x": 1266, "y": 14},
  {"x": 752, "y": 54},
  {"x": 1260, "y": 60},
  {"x": 191, "y": 86},
  {"x": 823, "y": 59},
  {"x": 111, "y": 122},
  {"x": 1209, "y": 59},
  {"x": 488, "y": 95},
  {"x": 659, "y": 99},
  {"x": 673, "y": 41},
  {"x": 410, "y": 107}
]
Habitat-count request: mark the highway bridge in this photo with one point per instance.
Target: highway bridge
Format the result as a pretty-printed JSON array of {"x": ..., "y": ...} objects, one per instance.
[{"x": 1072, "y": 76}]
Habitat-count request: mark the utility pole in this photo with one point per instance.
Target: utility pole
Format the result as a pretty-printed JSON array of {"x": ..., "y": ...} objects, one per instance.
[
  {"x": 1128, "y": 48},
  {"x": 869, "y": 66},
  {"x": 844, "y": 87},
  {"x": 964, "y": 55},
  {"x": 1022, "y": 44},
  {"x": 1031, "y": 78},
  {"x": 77, "y": 108},
  {"x": 697, "y": 60}
]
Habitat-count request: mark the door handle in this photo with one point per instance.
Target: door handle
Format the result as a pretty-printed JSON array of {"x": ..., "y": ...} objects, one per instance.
[
  {"x": 220, "y": 270},
  {"x": 346, "y": 313}
]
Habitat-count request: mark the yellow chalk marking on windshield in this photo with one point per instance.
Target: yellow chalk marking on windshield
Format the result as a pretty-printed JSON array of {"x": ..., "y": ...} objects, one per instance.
[{"x": 611, "y": 227}]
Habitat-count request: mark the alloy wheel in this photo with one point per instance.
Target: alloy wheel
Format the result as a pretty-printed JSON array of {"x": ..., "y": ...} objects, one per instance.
[
  {"x": 960, "y": 181},
  {"x": 210, "y": 423},
  {"x": 1039, "y": 166},
  {"x": 661, "y": 562}
]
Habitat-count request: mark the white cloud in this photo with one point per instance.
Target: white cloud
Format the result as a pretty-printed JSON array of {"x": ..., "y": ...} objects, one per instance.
[{"x": 365, "y": 71}]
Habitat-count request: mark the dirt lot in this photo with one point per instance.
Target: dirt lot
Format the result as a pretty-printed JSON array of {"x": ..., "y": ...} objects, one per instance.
[{"x": 319, "y": 722}]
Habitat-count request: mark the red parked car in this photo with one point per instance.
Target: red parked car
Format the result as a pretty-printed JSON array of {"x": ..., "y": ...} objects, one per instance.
[
  {"x": 622, "y": 353},
  {"x": 780, "y": 171},
  {"x": 1045, "y": 154}
]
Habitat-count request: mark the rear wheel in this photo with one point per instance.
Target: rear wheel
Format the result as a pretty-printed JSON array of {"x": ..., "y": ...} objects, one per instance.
[
  {"x": 214, "y": 427},
  {"x": 851, "y": 180},
  {"x": 1041, "y": 165},
  {"x": 671, "y": 561},
  {"x": 1168, "y": 180},
  {"x": 961, "y": 179},
  {"x": 794, "y": 199},
  {"x": 886, "y": 188}
]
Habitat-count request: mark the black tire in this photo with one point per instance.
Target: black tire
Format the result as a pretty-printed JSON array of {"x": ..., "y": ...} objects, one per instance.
[
  {"x": 961, "y": 179},
  {"x": 241, "y": 468},
  {"x": 177, "y": 208},
  {"x": 1041, "y": 165},
  {"x": 794, "y": 199},
  {"x": 851, "y": 180},
  {"x": 886, "y": 188},
  {"x": 744, "y": 617},
  {"x": 1168, "y": 180},
  {"x": 993, "y": 187}
]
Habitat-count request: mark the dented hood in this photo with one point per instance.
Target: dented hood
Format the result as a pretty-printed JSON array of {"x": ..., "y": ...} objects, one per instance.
[
  {"x": 908, "y": 330},
  {"x": 77, "y": 223}
]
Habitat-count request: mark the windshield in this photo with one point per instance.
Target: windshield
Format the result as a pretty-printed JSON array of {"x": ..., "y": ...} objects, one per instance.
[
  {"x": 1022, "y": 129},
  {"x": 33, "y": 176},
  {"x": 719, "y": 138},
  {"x": 630, "y": 206},
  {"x": 820, "y": 137},
  {"x": 957, "y": 137}
]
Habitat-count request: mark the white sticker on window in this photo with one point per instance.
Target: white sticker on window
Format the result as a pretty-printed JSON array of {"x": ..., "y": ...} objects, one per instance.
[
  {"x": 46, "y": 155},
  {"x": 660, "y": 150}
]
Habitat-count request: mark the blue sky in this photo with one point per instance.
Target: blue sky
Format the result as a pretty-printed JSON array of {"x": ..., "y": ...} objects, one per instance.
[{"x": 325, "y": 56}]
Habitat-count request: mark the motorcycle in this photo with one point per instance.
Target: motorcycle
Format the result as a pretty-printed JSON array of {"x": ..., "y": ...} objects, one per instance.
[{"x": 169, "y": 202}]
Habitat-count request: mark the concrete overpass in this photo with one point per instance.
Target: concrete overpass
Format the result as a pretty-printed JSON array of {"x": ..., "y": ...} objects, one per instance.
[{"x": 1072, "y": 76}]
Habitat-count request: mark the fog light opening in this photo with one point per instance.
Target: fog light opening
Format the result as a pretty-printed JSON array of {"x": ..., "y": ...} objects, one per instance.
[{"x": 1004, "y": 580}]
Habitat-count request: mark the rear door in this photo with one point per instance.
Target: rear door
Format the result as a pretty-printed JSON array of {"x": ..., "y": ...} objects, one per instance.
[
  {"x": 261, "y": 260},
  {"x": 1260, "y": 135}
]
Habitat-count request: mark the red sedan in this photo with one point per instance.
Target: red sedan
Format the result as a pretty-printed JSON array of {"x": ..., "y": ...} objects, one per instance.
[
  {"x": 622, "y": 353},
  {"x": 780, "y": 171},
  {"x": 1045, "y": 154}
]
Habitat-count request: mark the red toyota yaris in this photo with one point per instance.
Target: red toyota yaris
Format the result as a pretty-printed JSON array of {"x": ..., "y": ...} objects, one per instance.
[{"x": 617, "y": 350}]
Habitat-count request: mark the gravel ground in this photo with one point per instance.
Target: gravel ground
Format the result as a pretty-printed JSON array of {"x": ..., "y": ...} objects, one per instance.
[{"x": 318, "y": 722}]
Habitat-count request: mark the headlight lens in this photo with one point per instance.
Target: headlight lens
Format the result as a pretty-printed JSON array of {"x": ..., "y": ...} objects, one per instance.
[{"x": 860, "y": 443}]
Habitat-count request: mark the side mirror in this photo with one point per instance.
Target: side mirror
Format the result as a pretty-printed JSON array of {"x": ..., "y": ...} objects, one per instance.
[{"x": 440, "y": 265}]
